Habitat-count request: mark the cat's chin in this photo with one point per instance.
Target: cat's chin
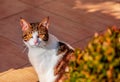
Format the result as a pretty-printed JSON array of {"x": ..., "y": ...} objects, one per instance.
[
  {"x": 37, "y": 46},
  {"x": 34, "y": 46}
]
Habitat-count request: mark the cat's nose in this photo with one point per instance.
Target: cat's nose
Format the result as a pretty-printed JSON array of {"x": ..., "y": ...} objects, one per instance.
[{"x": 36, "y": 41}]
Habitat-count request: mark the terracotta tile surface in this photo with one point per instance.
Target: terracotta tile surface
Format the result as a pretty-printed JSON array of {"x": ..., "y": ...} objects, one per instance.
[
  {"x": 11, "y": 7},
  {"x": 72, "y": 21},
  {"x": 10, "y": 56},
  {"x": 82, "y": 43},
  {"x": 74, "y": 11},
  {"x": 36, "y": 3}
]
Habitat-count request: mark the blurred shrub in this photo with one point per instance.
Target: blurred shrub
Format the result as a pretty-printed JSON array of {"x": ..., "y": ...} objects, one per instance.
[{"x": 99, "y": 62}]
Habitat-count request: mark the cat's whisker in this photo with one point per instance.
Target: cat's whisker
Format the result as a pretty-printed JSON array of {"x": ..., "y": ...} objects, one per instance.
[
  {"x": 24, "y": 49},
  {"x": 24, "y": 45}
]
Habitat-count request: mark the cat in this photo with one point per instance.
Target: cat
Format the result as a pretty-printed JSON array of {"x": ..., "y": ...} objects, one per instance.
[{"x": 46, "y": 53}]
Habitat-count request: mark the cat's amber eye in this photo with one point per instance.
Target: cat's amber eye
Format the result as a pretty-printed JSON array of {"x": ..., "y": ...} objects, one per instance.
[
  {"x": 41, "y": 35},
  {"x": 27, "y": 37}
]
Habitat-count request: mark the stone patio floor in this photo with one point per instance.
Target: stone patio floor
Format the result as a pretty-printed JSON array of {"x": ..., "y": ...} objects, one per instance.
[{"x": 73, "y": 21}]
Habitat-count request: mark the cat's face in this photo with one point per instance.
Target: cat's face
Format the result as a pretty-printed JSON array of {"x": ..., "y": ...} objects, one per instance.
[{"x": 35, "y": 34}]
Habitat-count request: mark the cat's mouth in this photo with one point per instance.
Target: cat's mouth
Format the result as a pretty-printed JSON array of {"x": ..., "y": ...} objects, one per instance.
[{"x": 36, "y": 45}]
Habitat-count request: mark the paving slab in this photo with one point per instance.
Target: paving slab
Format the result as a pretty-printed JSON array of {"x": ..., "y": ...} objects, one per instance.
[
  {"x": 10, "y": 56},
  {"x": 36, "y": 3},
  {"x": 11, "y": 7},
  {"x": 74, "y": 10}
]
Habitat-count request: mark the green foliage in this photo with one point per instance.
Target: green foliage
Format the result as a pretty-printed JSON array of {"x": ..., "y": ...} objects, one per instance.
[{"x": 99, "y": 62}]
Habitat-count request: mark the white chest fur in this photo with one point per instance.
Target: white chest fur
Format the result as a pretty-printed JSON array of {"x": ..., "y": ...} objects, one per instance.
[{"x": 44, "y": 60}]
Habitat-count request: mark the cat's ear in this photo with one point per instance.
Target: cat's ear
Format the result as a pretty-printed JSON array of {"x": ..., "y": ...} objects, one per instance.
[
  {"x": 45, "y": 22},
  {"x": 24, "y": 24}
]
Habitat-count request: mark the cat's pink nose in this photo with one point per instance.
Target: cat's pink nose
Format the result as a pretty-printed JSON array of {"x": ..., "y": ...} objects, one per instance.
[{"x": 36, "y": 41}]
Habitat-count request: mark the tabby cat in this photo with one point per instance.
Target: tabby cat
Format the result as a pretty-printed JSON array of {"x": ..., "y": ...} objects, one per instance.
[{"x": 47, "y": 54}]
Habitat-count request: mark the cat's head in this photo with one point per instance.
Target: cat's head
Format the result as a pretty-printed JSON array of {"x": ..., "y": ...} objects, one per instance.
[{"x": 35, "y": 34}]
